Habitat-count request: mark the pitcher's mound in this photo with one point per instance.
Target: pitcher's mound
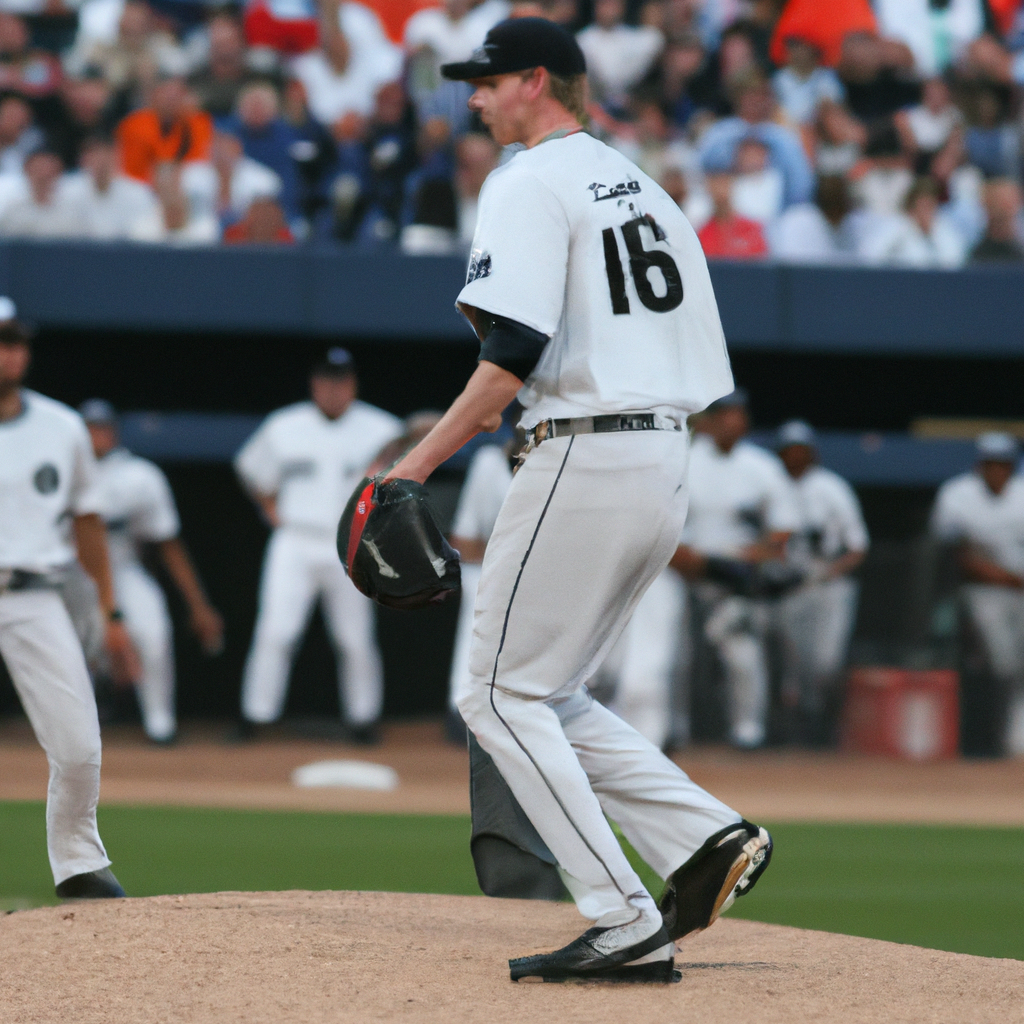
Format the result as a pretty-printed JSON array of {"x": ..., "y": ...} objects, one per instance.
[{"x": 307, "y": 957}]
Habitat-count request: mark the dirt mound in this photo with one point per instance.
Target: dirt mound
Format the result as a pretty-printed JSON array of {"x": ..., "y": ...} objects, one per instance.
[{"x": 353, "y": 956}]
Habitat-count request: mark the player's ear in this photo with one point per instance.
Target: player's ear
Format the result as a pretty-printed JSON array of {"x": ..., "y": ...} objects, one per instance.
[{"x": 538, "y": 82}]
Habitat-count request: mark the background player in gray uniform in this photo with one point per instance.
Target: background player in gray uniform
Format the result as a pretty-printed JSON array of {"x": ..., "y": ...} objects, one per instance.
[
  {"x": 138, "y": 508},
  {"x": 48, "y": 512},
  {"x": 300, "y": 466},
  {"x": 592, "y": 299},
  {"x": 982, "y": 513},
  {"x": 742, "y": 512},
  {"x": 816, "y": 620}
]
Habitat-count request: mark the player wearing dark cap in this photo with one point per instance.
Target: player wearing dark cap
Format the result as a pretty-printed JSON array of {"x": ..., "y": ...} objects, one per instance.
[
  {"x": 300, "y": 467},
  {"x": 592, "y": 300}
]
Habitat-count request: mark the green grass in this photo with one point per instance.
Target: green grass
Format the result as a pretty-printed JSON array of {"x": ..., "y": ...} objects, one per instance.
[{"x": 960, "y": 889}]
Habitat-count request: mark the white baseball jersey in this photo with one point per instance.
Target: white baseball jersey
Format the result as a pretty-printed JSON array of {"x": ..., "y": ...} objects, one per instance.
[
  {"x": 832, "y": 523},
  {"x": 312, "y": 463},
  {"x": 965, "y": 509},
  {"x": 736, "y": 497},
  {"x": 47, "y": 476},
  {"x": 482, "y": 494},
  {"x": 576, "y": 242},
  {"x": 136, "y": 504}
]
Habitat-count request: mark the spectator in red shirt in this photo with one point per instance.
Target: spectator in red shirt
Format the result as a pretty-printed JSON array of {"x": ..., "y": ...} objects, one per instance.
[
  {"x": 727, "y": 235},
  {"x": 263, "y": 224}
]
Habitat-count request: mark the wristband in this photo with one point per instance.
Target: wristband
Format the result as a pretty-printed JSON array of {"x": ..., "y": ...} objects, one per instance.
[{"x": 115, "y": 615}]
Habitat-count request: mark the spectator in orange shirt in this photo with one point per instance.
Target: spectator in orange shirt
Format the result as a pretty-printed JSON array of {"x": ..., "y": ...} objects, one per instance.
[
  {"x": 169, "y": 130},
  {"x": 727, "y": 235}
]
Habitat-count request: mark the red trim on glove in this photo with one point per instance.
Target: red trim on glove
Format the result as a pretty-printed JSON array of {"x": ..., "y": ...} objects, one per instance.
[{"x": 364, "y": 506}]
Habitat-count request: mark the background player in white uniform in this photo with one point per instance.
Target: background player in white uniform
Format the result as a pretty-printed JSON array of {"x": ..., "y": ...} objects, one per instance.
[
  {"x": 742, "y": 508},
  {"x": 483, "y": 492},
  {"x": 48, "y": 512},
  {"x": 138, "y": 508},
  {"x": 641, "y": 667},
  {"x": 594, "y": 304},
  {"x": 983, "y": 514},
  {"x": 816, "y": 620},
  {"x": 301, "y": 465}
]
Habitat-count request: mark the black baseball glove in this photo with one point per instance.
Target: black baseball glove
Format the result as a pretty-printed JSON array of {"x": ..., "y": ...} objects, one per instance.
[{"x": 392, "y": 548}]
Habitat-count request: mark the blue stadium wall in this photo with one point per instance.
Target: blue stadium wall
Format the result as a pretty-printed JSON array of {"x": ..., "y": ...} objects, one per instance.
[{"x": 197, "y": 345}]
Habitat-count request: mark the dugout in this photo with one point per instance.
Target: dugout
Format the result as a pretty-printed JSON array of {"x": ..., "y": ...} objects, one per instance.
[{"x": 199, "y": 345}]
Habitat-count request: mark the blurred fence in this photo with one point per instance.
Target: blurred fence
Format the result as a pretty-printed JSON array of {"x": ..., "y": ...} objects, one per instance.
[{"x": 373, "y": 293}]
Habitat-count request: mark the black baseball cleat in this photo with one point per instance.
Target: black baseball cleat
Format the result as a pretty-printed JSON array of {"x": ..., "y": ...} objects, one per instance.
[
  {"x": 726, "y": 866},
  {"x": 93, "y": 885},
  {"x": 604, "y": 954}
]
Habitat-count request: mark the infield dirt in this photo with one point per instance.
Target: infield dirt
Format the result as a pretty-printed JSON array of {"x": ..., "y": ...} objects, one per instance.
[
  {"x": 776, "y": 785},
  {"x": 302, "y": 957}
]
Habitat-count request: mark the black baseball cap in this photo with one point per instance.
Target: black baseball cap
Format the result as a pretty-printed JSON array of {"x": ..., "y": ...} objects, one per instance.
[
  {"x": 519, "y": 44},
  {"x": 337, "y": 362}
]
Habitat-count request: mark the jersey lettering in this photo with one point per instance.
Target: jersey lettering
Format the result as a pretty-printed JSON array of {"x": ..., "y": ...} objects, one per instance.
[{"x": 641, "y": 262}]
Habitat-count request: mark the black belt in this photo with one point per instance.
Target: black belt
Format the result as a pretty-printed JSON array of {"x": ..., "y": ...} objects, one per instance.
[
  {"x": 20, "y": 579},
  {"x": 595, "y": 425}
]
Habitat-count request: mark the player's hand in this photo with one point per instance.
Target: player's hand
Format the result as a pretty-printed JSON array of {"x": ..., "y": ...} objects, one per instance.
[
  {"x": 208, "y": 626},
  {"x": 125, "y": 666}
]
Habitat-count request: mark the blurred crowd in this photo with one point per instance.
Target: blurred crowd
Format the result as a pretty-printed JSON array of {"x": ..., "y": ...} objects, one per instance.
[{"x": 877, "y": 132}]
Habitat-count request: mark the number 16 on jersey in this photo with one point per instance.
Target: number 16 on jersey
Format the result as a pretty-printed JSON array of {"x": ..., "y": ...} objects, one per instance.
[{"x": 641, "y": 262}]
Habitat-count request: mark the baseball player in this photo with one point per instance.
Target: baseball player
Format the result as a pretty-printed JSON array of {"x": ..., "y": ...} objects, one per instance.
[
  {"x": 49, "y": 511},
  {"x": 816, "y": 620},
  {"x": 983, "y": 514},
  {"x": 300, "y": 467},
  {"x": 592, "y": 300},
  {"x": 138, "y": 508},
  {"x": 742, "y": 512},
  {"x": 486, "y": 484}
]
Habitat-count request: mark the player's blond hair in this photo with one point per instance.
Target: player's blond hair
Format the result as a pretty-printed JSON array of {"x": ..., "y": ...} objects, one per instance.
[{"x": 571, "y": 92}]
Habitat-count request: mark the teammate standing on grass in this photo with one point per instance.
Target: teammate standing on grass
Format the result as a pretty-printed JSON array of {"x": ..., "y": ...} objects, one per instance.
[
  {"x": 591, "y": 296},
  {"x": 48, "y": 512},
  {"x": 300, "y": 467},
  {"x": 138, "y": 508}
]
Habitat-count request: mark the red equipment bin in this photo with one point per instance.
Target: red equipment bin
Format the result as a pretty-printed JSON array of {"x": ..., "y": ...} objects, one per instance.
[{"x": 914, "y": 715}]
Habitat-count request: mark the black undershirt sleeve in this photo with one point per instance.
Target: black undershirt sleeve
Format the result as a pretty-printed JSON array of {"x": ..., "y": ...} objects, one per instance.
[{"x": 512, "y": 346}]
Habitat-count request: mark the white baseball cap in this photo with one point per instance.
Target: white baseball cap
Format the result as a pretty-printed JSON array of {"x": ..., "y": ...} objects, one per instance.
[
  {"x": 795, "y": 432},
  {"x": 997, "y": 447}
]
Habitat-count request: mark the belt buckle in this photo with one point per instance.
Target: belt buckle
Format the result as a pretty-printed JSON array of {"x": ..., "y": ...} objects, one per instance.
[{"x": 542, "y": 431}]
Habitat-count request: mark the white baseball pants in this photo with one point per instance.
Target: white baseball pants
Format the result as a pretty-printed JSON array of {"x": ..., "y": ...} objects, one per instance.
[
  {"x": 149, "y": 625},
  {"x": 998, "y": 614},
  {"x": 45, "y": 660},
  {"x": 645, "y": 658},
  {"x": 816, "y": 623},
  {"x": 459, "y": 677},
  {"x": 588, "y": 523},
  {"x": 298, "y": 569},
  {"x": 737, "y": 628}
]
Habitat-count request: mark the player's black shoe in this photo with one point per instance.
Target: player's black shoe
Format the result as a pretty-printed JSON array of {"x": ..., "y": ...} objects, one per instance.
[
  {"x": 604, "y": 954},
  {"x": 93, "y": 885},
  {"x": 726, "y": 866}
]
